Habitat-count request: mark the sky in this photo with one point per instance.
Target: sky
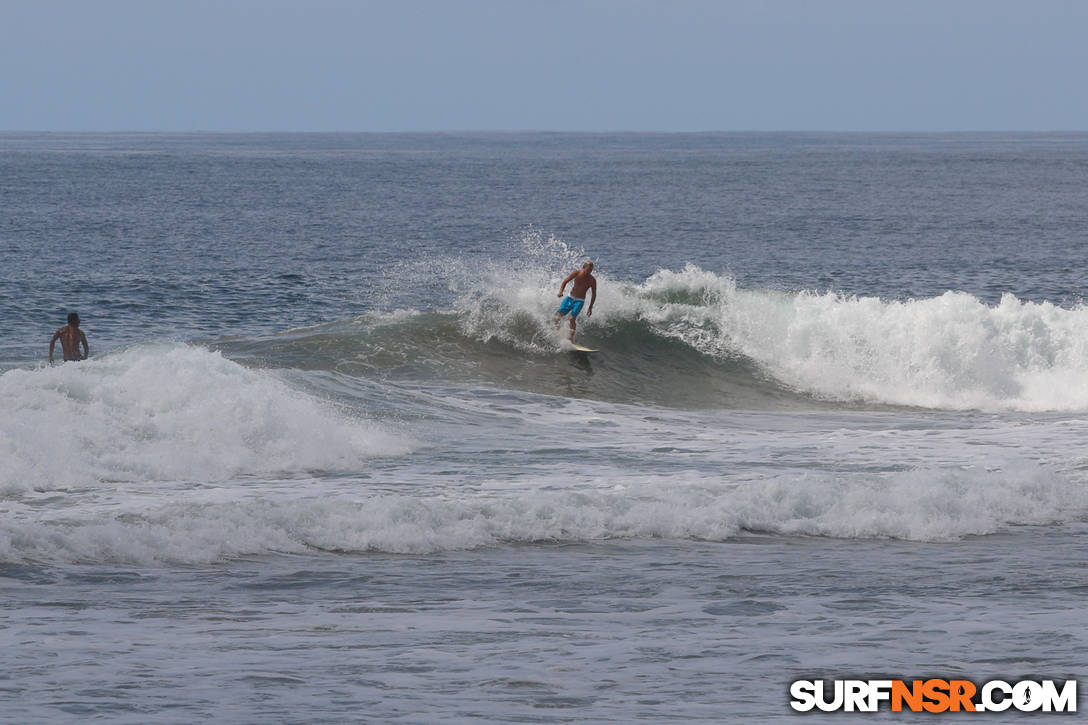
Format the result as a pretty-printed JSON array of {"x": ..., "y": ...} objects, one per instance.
[{"x": 552, "y": 65}]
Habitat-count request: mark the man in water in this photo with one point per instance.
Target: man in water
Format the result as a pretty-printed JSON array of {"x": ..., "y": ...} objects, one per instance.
[
  {"x": 71, "y": 337},
  {"x": 572, "y": 304}
]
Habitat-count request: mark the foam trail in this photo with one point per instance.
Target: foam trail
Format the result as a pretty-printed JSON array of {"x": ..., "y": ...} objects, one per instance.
[
  {"x": 169, "y": 412},
  {"x": 919, "y": 505}
]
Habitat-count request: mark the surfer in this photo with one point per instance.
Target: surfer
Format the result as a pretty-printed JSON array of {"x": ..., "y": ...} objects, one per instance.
[
  {"x": 572, "y": 304},
  {"x": 71, "y": 337}
]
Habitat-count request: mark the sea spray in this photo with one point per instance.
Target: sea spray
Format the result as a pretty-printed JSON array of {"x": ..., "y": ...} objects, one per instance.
[{"x": 169, "y": 412}]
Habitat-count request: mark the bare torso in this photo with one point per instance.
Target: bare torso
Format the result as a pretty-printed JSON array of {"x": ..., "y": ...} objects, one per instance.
[
  {"x": 583, "y": 281},
  {"x": 70, "y": 338}
]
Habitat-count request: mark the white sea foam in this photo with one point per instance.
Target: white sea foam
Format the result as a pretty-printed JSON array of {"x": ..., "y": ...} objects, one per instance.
[
  {"x": 950, "y": 352},
  {"x": 920, "y": 505},
  {"x": 168, "y": 412}
]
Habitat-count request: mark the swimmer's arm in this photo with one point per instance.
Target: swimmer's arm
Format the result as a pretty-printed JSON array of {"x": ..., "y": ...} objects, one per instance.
[
  {"x": 86, "y": 347},
  {"x": 52, "y": 344}
]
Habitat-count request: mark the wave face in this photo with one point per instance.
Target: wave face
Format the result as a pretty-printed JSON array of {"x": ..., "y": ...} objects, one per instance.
[
  {"x": 693, "y": 338},
  {"x": 167, "y": 413}
]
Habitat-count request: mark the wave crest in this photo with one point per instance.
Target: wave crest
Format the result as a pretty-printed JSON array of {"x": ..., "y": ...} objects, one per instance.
[
  {"x": 169, "y": 412},
  {"x": 917, "y": 505},
  {"x": 692, "y": 337}
]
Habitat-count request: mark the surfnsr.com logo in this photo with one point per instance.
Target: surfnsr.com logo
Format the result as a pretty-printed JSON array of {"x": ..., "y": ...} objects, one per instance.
[{"x": 933, "y": 695}]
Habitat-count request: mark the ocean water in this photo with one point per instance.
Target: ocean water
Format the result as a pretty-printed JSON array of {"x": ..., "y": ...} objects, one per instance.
[{"x": 329, "y": 463}]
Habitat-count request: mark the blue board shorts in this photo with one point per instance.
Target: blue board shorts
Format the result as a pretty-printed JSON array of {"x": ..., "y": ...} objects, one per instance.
[{"x": 571, "y": 305}]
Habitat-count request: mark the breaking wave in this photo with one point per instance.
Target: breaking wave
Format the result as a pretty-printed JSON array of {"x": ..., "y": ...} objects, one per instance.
[
  {"x": 691, "y": 337},
  {"x": 170, "y": 412}
]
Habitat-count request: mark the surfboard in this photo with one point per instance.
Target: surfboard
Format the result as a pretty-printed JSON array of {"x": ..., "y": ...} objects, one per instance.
[{"x": 568, "y": 345}]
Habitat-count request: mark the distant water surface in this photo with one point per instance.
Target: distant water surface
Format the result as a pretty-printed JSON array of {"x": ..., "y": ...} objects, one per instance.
[{"x": 329, "y": 463}]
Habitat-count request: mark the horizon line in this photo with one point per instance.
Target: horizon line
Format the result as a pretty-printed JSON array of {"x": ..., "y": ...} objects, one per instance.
[{"x": 541, "y": 131}]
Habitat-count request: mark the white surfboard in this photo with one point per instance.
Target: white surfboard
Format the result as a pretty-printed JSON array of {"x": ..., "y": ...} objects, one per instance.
[{"x": 568, "y": 345}]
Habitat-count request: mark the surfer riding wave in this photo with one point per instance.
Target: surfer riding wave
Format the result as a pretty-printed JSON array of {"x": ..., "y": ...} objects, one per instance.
[{"x": 584, "y": 281}]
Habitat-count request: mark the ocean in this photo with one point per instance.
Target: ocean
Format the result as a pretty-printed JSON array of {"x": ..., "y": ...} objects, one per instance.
[{"x": 328, "y": 461}]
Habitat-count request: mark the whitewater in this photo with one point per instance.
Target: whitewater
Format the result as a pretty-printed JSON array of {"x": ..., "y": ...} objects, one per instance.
[{"x": 331, "y": 463}]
